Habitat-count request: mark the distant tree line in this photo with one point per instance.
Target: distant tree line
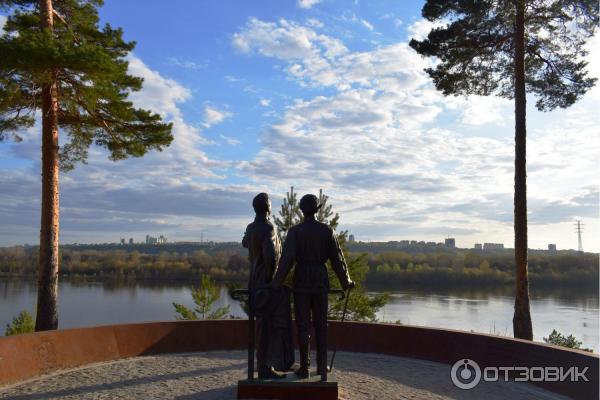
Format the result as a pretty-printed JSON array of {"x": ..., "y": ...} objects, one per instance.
[
  {"x": 471, "y": 267},
  {"x": 174, "y": 247},
  {"x": 231, "y": 263},
  {"x": 96, "y": 264}
]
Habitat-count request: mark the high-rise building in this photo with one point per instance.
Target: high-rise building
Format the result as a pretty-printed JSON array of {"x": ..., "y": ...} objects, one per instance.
[
  {"x": 122, "y": 241},
  {"x": 493, "y": 246},
  {"x": 478, "y": 246},
  {"x": 450, "y": 242},
  {"x": 351, "y": 239},
  {"x": 130, "y": 240},
  {"x": 151, "y": 240},
  {"x": 552, "y": 248}
]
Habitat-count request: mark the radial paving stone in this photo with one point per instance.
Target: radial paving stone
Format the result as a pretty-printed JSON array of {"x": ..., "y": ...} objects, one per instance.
[{"x": 214, "y": 375}]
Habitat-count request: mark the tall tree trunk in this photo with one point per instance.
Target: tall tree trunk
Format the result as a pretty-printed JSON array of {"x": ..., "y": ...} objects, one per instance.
[
  {"x": 47, "y": 314},
  {"x": 522, "y": 317}
]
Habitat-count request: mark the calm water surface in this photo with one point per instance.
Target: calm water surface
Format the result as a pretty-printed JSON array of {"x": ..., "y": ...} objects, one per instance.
[{"x": 569, "y": 310}]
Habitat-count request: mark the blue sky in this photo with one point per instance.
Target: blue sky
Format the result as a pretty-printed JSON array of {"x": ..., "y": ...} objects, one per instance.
[{"x": 315, "y": 94}]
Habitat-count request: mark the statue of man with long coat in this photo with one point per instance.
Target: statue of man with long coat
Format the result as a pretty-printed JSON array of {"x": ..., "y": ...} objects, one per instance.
[{"x": 274, "y": 350}]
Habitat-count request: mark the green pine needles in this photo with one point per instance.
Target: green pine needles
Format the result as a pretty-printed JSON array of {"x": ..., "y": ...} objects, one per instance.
[
  {"x": 510, "y": 48},
  {"x": 22, "y": 323},
  {"x": 58, "y": 66},
  {"x": 89, "y": 65},
  {"x": 204, "y": 297},
  {"x": 476, "y": 48},
  {"x": 558, "y": 339}
]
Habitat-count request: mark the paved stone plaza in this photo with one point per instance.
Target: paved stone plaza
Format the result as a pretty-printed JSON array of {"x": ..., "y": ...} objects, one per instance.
[{"x": 214, "y": 375}]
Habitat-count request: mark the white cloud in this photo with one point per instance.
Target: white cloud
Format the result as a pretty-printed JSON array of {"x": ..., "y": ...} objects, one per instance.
[
  {"x": 398, "y": 22},
  {"x": 481, "y": 110},
  {"x": 94, "y": 211},
  {"x": 162, "y": 95},
  {"x": 421, "y": 28},
  {"x": 593, "y": 58},
  {"x": 371, "y": 124},
  {"x": 158, "y": 192},
  {"x": 159, "y": 94},
  {"x": 367, "y": 24},
  {"x": 233, "y": 79},
  {"x": 214, "y": 116},
  {"x": 185, "y": 63},
  {"x": 352, "y": 17},
  {"x": 375, "y": 134},
  {"x": 376, "y": 138},
  {"x": 285, "y": 40},
  {"x": 230, "y": 141},
  {"x": 314, "y": 23},
  {"x": 309, "y": 55},
  {"x": 2, "y": 22},
  {"x": 320, "y": 60},
  {"x": 307, "y": 3}
]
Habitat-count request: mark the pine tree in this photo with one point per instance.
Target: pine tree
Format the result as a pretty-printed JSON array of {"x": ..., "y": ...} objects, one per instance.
[
  {"x": 289, "y": 214},
  {"x": 57, "y": 61},
  {"x": 204, "y": 297},
  {"x": 325, "y": 212},
  {"x": 22, "y": 323},
  {"x": 509, "y": 48}
]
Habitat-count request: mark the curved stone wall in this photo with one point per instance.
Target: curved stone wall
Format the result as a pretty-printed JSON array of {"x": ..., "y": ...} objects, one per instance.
[
  {"x": 448, "y": 346},
  {"x": 26, "y": 356}
]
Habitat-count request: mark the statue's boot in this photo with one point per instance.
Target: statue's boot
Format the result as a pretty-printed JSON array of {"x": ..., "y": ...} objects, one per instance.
[
  {"x": 322, "y": 368},
  {"x": 302, "y": 372},
  {"x": 270, "y": 373},
  {"x": 326, "y": 368}
]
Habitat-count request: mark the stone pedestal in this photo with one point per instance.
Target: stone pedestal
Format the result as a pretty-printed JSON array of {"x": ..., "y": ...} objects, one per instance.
[{"x": 289, "y": 388}]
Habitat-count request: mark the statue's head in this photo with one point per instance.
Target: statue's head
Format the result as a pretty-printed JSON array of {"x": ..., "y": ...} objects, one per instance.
[
  {"x": 309, "y": 204},
  {"x": 262, "y": 204}
]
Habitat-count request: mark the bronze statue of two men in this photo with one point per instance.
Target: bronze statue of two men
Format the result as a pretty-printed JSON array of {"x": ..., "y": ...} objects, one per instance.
[{"x": 308, "y": 246}]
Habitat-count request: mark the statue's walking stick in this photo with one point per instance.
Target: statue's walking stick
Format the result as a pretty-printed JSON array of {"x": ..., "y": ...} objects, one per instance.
[
  {"x": 251, "y": 333},
  {"x": 343, "y": 318},
  {"x": 237, "y": 294}
]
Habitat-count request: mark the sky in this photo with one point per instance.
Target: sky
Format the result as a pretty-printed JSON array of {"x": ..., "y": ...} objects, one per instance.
[{"x": 315, "y": 94}]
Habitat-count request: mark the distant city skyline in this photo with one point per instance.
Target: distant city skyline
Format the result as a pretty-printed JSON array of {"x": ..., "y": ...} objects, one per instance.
[
  {"x": 267, "y": 95},
  {"x": 448, "y": 242}
]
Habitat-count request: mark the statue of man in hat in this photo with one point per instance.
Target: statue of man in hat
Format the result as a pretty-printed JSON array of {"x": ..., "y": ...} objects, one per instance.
[
  {"x": 274, "y": 350},
  {"x": 309, "y": 245}
]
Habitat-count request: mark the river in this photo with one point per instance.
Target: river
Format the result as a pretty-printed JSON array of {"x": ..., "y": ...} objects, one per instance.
[{"x": 570, "y": 310}]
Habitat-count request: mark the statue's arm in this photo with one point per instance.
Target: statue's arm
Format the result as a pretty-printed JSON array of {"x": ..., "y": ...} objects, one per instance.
[
  {"x": 246, "y": 239},
  {"x": 270, "y": 252},
  {"x": 338, "y": 262},
  {"x": 287, "y": 259}
]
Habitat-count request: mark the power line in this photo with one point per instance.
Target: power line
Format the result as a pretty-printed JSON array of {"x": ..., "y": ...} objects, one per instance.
[{"x": 579, "y": 229}]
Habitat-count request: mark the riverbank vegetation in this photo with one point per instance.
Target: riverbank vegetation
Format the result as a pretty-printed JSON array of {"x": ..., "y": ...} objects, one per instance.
[
  {"x": 472, "y": 267},
  {"x": 558, "y": 339},
  {"x": 229, "y": 263},
  {"x": 22, "y": 323}
]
